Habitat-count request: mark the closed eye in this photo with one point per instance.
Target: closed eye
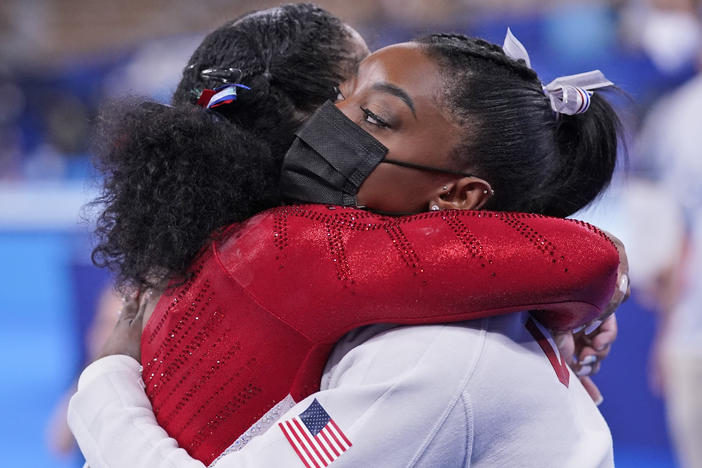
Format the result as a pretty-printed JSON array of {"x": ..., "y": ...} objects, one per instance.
[{"x": 373, "y": 119}]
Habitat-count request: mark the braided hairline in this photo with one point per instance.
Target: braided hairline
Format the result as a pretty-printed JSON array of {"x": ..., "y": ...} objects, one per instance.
[
  {"x": 470, "y": 59},
  {"x": 512, "y": 138},
  {"x": 481, "y": 49}
]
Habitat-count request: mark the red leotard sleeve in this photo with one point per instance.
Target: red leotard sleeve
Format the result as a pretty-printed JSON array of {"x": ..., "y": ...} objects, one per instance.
[
  {"x": 256, "y": 320},
  {"x": 312, "y": 264}
]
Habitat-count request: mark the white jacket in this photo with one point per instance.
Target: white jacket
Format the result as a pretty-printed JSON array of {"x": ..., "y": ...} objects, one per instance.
[{"x": 483, "y": 393}]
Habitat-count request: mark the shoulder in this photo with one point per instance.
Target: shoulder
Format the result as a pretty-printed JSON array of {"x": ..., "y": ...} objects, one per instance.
[
  {"x": 402, "y": 390},
  {"x": 385, "y": 351},
  {"x": 303, "y": 226}
]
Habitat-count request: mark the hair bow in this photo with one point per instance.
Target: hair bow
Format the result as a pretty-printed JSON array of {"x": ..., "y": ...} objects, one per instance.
[{"x": 568, "y": 94}]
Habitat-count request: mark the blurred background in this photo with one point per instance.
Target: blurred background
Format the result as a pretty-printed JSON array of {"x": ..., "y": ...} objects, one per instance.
[{"x": 60, "y": 60}]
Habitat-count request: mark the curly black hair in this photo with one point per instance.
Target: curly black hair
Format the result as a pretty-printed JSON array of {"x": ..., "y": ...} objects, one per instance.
[
  {"x": 174, "y": 175},
  {"x": 292, "y": 57}
]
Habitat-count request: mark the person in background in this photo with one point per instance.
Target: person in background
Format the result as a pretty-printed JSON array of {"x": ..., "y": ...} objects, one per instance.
[
  {"x": 58, "y": 435},
  {"x": 671, "y": 140}
]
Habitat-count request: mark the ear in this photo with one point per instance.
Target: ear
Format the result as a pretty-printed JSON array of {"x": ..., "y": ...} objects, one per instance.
[{"x": 467, "y": 193}]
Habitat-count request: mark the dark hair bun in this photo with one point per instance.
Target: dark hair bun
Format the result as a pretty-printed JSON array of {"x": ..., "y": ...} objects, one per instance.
[{"x": 535, "y": 160}]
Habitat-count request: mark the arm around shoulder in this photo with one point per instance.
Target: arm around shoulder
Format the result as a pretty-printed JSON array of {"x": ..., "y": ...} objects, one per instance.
[{"x": 381, "y": 404}]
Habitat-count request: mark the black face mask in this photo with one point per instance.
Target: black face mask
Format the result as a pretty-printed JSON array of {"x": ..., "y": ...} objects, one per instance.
[{"x": 332, "y": 157}]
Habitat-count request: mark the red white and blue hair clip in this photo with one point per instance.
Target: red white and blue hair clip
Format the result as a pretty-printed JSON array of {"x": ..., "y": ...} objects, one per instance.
[
  {"x": 225, "y": 94},
  {"x": 570, "y": 94},
  {"x": 211, "y": 98}
]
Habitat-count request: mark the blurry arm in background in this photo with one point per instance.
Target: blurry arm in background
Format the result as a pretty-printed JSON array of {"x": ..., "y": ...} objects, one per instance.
[
  {"x": 664, "y": 293},
  {"x": 58, "y": 435}
]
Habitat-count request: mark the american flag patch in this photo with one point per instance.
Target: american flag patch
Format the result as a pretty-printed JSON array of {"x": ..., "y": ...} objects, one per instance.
[{"x": 315, "y": 437}]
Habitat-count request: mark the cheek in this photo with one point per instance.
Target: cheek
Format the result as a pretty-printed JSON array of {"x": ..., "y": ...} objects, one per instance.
[
  {"x": 373, "y": 190},
  {"x": 392, "y": 189}
]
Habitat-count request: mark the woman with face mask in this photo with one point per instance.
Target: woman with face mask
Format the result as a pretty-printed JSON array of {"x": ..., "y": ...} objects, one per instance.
[{"x": 441, "y": 171}]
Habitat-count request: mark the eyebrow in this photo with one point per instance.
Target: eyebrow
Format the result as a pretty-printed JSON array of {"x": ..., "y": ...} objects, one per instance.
[{"x": 397, "y": 92}]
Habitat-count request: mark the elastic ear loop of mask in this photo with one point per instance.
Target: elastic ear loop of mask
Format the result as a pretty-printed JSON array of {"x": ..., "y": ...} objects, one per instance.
[
  {"x": 421, "y": 168},
  {"x": 425, "y": 168}
]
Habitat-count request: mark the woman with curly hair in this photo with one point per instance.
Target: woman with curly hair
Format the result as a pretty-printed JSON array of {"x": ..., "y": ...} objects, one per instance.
[
  {"x": 174, "y": 175},
  {"x": 244, "y": 307}
]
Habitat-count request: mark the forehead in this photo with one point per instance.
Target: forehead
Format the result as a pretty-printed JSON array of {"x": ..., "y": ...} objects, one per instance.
[
  {"x": 359, "y": 44},
  {"x": 405, "y": 65}
]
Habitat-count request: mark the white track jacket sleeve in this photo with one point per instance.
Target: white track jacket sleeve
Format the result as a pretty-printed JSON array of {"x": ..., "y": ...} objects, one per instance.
[{"x": 388, "y": 398}]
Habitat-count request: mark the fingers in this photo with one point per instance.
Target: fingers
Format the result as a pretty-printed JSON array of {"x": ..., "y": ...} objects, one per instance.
[
  {"x": 143, "y": 302},
  {"x": 591, "y": 349},
  {"x": 592, "y": 390},
  {"x": 622, "y": 290},
  {"x": 566, "y": 345},
  {"x": 130, "y": 309},
  {"x": 599, "y": 335},
  {"x": 126, "y": 335},
  {"x": 624, "y": 286},
  {"x": 621, "y": 293},
  {"x": 594, "y": 325},
  {"x": 602, "y": 343},
  {"x": 589, "y": 361},
  {"x": 588, "y": 370},
  {"x": 133, "y": 308},
  {"x": 623, "y": 259},
  {"x": 605, "y": 335}
]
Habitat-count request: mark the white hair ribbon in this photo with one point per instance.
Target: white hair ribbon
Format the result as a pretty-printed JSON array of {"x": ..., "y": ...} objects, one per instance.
[
  {"x": 568, "y": 94},
  {"x": 515, "y": 49},
  {"x": 571, "y": 94}
]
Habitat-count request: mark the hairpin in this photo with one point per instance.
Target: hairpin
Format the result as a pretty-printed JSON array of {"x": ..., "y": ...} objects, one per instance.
[
  {"x": 211, "y": 98},
  {"x": 225, "y": 75}
]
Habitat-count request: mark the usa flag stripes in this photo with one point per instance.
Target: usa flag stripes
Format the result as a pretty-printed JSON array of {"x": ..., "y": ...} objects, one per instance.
[{"x": 315, "y": 437}]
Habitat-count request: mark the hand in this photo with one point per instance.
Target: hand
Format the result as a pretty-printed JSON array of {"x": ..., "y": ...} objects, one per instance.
[
  {"x": 566, "y": 347},
  {"x": 622, "y": 291},
  {"x": 126, "y": 335},
  {"x": 585, "y": 348},
  {"x": 591, "y": 348},
  {"x": 584, "y": 352}
]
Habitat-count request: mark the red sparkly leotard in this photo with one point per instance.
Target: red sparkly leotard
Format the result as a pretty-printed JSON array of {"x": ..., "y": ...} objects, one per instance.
[{"x": 255, "y": 323}]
